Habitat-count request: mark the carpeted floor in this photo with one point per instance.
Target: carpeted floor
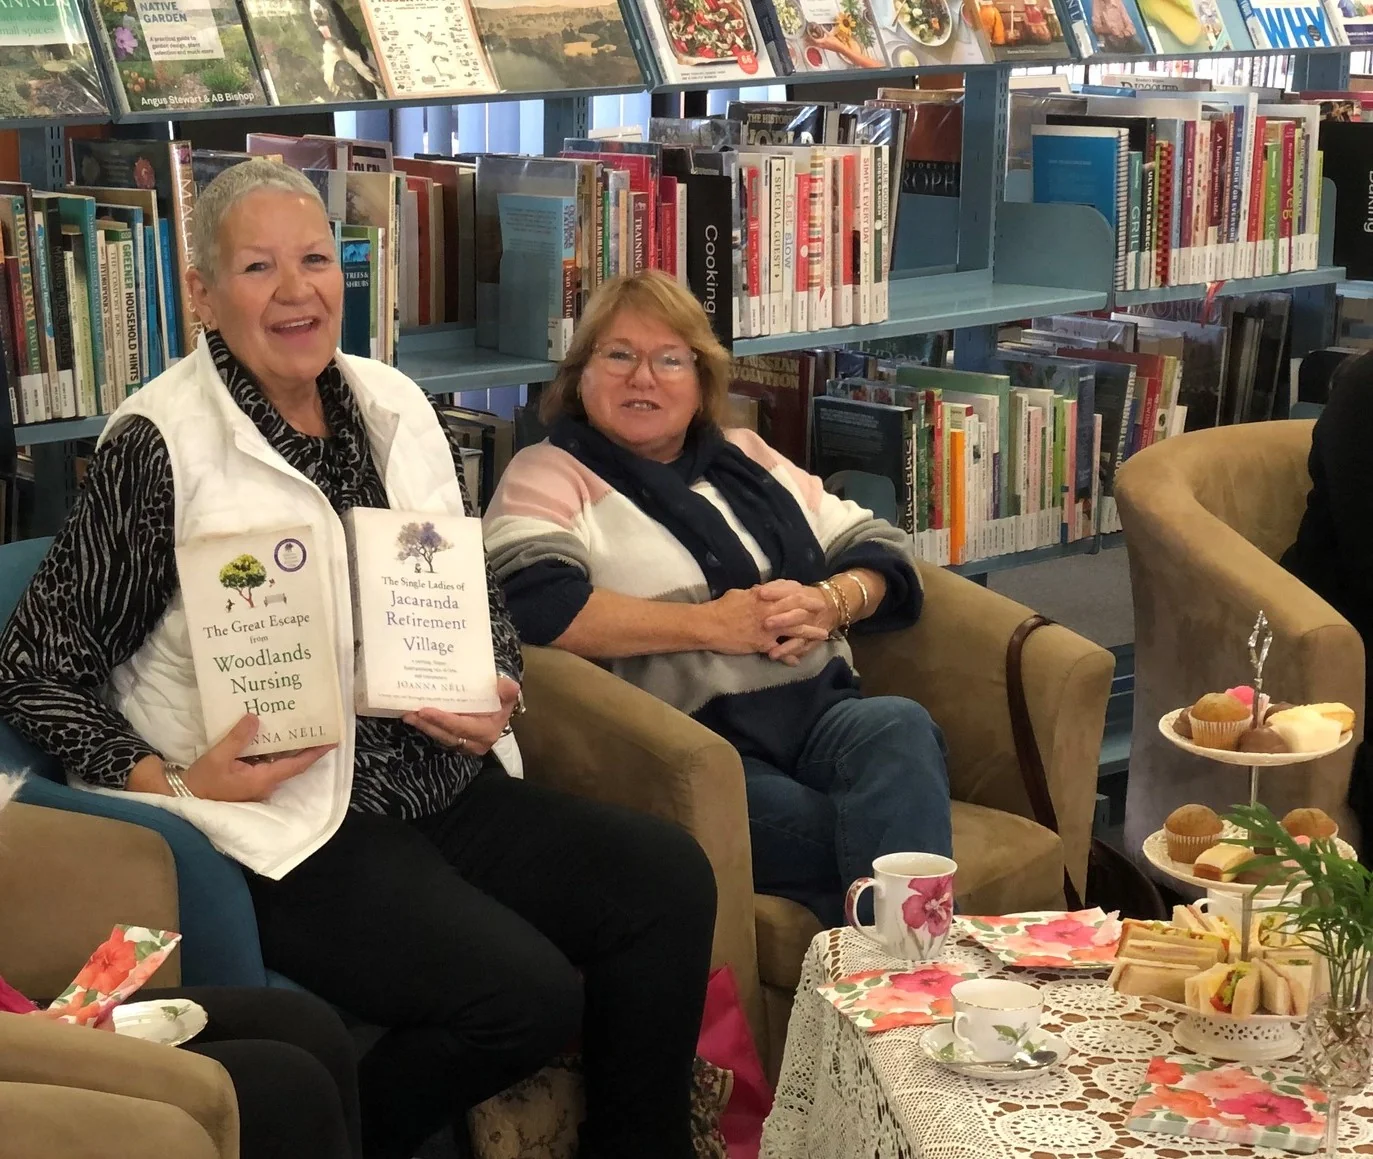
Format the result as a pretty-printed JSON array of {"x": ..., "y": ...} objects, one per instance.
[{"x": 1088, "y": 593}]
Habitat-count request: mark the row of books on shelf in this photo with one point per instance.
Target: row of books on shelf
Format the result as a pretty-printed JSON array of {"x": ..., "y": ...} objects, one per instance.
[
  {"x": 176, "y": 56},
  {"x": 93, "y": 296},
  {"x": 1024, "y": 455},
  {"x": 1197, "y": 187}
]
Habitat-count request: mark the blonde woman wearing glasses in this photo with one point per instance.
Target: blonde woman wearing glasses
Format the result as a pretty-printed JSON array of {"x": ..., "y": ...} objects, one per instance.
[{"x": 702, "y": 566}]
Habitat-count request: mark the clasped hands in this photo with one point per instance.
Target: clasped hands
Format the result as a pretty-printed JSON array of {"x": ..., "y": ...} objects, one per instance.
[
  {"x": 222, "y": 773},
  {"x": 782, "y": 619}
]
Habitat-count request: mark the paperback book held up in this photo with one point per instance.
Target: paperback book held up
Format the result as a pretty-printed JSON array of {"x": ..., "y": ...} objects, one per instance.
[
  {"x": 421, "y": 620},
  {"x": 256, "y": 607}
]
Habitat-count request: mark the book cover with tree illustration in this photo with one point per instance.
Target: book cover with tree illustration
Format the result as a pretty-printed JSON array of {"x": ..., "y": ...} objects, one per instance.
[
  {"x": 46, "y": 65},
  {"x": 421, "y": 622},
  {"x": 313, "y": 51},
  {"x": 545, "y": 47},
  {"x": 257, "y": 610},
  {"x": 178, "y": 55}
]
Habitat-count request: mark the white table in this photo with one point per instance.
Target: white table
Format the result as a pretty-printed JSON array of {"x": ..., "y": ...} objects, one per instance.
[{"x": 845, "y": 1094}]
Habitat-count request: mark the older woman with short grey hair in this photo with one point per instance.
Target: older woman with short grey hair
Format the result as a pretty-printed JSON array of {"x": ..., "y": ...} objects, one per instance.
[{"x": 488, "y": 922}]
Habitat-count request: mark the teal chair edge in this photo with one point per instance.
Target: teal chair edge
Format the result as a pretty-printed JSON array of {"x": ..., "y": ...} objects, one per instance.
[{"x": 220, "y": 945}]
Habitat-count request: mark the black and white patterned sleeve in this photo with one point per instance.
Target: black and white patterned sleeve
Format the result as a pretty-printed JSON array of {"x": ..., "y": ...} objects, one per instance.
[
  {"x": 97, "y": 594},
  {"x": 504, "y": 636}
]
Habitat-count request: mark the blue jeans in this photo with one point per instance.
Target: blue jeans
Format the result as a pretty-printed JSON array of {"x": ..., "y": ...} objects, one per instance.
[{"x": 871, "y": 779}]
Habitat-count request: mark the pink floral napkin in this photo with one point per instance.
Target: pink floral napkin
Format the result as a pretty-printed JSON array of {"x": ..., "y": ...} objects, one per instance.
[
  {"x": 119, "y": 966},
  {"x": 1084, "y": 940},
  {"x": 885, "y": 999},
  {"x": 1233, "y": 1103}
]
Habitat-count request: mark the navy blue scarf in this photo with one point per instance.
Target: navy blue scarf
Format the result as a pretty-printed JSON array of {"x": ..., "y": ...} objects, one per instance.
[{"x": 662, "y": 491}]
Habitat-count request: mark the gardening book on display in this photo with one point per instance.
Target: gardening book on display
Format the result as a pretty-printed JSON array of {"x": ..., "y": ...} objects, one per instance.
[
  {"x": 421, "y": 623},
  {"x": 257, "y": 609}
]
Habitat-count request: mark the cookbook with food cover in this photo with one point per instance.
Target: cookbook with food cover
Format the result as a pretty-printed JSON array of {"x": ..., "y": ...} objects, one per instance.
[
  {"x": 705, "y": 41},
  {"x": 257, "y": 609},
  {"x": 178, "y": 55},
  {"x": 1181, "y": 26},
  {"x": 421, "y": 621},
  {"x": 1024, "y": 30},
  {"x": 926, "y": 32},
  {"x": 821, "y": 35},
  {"x": 1110, "y": 27}
]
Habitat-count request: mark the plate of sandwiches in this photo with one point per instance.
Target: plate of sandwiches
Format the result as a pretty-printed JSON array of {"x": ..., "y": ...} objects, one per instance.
[
  {"x": 1225, "y": 866},
  {"x": 1191, "y": 965}
]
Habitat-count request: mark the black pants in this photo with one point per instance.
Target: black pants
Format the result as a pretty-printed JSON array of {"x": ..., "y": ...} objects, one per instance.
[
  {"x": 292, "y": 1065},
  {"x": 496, "y": 934}
]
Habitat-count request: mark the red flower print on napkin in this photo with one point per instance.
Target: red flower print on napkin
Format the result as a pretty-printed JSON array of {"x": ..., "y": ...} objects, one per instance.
[
  {"x": 1065, "y": 930},
  {"x": 937, "y": 983},
  {"x": 930, "y": 906},
  {"x": 1164, "y": 1072},
  {"x": 1189, "y": 1104},
  {"x": 1265, "y": 1109},
  {"x": 109, "y": 965}
]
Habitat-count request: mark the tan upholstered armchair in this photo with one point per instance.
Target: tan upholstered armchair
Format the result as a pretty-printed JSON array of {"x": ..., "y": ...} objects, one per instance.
[
  {"x": 590, "y": 733},
  {"x": 69, "y": 1092},
  {"x": 1206, "y": 518}
]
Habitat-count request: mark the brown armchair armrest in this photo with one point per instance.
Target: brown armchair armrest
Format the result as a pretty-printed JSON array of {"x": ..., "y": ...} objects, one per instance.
[
  {"x": 590, "y": 733},
  {"x": 67, "y": 879},
  {"x": 953, "y": 661},
  {"x": 51, "y": 1054}
]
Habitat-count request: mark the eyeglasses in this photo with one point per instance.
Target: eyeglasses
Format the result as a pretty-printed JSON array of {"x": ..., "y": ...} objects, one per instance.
[{"x": 623, "y": 361}]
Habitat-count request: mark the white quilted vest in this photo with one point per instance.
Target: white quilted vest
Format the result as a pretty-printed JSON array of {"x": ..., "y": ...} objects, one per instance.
[{"x": 229, "y": 480}]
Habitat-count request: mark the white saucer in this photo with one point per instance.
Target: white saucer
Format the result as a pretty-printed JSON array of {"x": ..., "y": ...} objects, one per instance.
[
  {"x": 170, "y": 1022},
  {"x": 940, "y": 1046}
]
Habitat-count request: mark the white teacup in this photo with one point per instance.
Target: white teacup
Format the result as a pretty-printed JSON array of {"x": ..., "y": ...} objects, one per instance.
[
  {"x": 993, "y": 1018},
  {"x": 912, "y": 902}
]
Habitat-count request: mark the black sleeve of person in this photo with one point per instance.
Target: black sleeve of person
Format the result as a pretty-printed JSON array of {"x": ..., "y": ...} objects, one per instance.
[
  {"x": 900, "y": 607},
  {"x": 1342, "y": 451},
  {"x": 102, "y": 587}
]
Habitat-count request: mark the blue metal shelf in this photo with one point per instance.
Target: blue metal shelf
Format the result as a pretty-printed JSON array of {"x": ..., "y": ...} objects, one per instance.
[
  {"x": 441, "y": 359},
  {"x": 939, "y": 302},
  {"x": 58, "y": 431},
  {"x": 1320, "y": 276}
]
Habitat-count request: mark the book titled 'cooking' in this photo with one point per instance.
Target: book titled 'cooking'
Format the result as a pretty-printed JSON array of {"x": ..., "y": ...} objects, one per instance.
[
  {"x": 257, "y": 609},
  {"x": 421, "y": 622}
]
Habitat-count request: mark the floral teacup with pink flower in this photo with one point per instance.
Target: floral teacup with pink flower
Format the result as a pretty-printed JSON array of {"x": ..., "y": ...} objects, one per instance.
[{"x": 912, "y": 902}]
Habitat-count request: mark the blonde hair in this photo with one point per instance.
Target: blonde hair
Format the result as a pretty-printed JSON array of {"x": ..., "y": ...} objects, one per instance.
[{"x": 655, "y": 295}]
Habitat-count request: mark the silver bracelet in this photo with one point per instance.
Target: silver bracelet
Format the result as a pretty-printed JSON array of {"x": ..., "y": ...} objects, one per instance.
[
  {"x": 862, "y": 587},
  {"x": 173, "y": 775}
]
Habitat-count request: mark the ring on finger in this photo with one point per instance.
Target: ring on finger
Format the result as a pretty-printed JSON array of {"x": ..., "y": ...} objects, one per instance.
[{"x": 460, "y": 744}]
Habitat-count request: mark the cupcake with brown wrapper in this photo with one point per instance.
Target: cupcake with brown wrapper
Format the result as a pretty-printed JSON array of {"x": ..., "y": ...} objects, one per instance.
[
  {"x": 1190, "y": 831},
  {"x": 1313, "y": 823},
  {"x": 1218, "y": 721}
]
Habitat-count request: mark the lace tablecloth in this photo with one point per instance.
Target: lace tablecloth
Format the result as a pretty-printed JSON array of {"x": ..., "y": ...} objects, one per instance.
[{"x": 844, "y": 1094}]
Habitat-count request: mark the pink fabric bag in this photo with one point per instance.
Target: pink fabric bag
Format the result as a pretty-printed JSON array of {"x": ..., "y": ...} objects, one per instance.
[
  {"x": 726, "y": 1041},
  {"x": 12, "y": 1002}
]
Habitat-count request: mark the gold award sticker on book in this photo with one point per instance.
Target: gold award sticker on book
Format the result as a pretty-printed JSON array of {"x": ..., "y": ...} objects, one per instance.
[{"x": 257, "y": 610}]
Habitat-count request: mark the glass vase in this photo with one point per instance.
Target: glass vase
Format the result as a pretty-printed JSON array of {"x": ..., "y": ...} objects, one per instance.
[{"x": 1337, "y": 1046}]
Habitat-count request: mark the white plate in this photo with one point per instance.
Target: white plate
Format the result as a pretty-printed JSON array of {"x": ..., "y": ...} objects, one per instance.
[
  {"x": 171, "y": 1022},
  {"x": 1247, "y": 760},
  {"x": 940, "y": 1046},
  {"x": 1155, "y": 850}
]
